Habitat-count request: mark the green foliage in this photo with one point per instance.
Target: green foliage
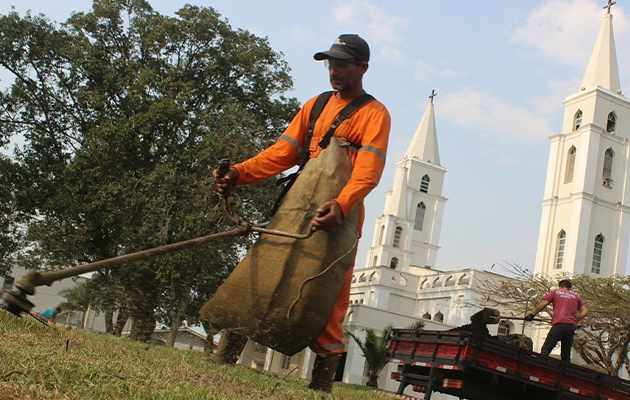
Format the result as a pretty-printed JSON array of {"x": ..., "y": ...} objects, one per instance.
[
  {"x": 124, "y": 113},
  {"x": 604, "y": 335},
  {"x": 374, "y": 349},
  {"x": 416, "y": 325},
  {"x": 40, "y": 362},
  {"x": 78, "y": 298},
  {"x": 10, "y": 217}
]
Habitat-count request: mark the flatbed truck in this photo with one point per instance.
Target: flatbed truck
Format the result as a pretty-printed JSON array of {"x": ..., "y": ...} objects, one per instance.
[{"x": 474, "y": 367}]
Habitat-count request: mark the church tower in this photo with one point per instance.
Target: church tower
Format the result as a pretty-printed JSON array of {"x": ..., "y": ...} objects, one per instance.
[
  {"x": 585, "y": 221},
  {"x": 407, "y": 234}
]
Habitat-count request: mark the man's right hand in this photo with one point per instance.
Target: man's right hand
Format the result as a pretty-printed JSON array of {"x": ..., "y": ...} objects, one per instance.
[
  {"x": 530, "y": 317},
  {"x": 228, "y": 180}
]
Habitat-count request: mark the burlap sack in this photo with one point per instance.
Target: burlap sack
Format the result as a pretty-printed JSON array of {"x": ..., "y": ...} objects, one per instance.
[{"x": 282, "y": 293}]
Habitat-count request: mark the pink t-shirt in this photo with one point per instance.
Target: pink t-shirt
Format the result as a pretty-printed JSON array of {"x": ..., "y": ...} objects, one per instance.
[{"x": 565, "y": 306}]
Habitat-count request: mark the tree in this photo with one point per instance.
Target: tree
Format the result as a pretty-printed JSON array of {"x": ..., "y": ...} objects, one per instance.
[
  {"x": 124, "y": 112},
  {"x": 605, "y": 340},
  {"x": 603, "y": 337},
  {"x": 10, "y": 218},
  {"x": 374, "y": 349}
]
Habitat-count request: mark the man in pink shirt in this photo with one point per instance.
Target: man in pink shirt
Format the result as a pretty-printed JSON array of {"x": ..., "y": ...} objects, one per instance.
[{"x": 568, "y": 309}]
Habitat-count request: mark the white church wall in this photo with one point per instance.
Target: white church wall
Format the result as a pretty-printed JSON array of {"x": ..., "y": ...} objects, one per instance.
[
  {"x": 611, "y": 191},
  {"x": 435, "y": 173},
  {"x": 581, "y": 259},
  {"x": 563, "y": 187},
  {"x": 607, "y": 103}
]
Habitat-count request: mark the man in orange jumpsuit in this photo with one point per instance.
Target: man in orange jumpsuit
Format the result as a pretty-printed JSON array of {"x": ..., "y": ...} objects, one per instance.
[{"x": 368, "y": 129}]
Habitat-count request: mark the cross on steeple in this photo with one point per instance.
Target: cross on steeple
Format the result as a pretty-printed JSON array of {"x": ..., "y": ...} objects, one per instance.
[
  {"x": 610, "y": 4},
  {"x": 433, "y": 94}
]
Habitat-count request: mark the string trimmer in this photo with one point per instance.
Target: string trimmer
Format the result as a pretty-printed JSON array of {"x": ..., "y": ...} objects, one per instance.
[{"x": 16, "y": 301}]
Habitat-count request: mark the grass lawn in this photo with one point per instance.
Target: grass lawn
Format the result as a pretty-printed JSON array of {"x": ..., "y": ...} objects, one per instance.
[{"x": 39, "y": 362}]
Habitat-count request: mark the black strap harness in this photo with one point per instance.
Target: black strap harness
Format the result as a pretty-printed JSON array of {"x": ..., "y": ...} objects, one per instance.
[{"x": 318, "y": 107}]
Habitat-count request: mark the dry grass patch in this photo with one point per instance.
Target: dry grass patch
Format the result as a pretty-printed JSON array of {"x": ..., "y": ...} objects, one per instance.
[{"x": 39, "y": 362}]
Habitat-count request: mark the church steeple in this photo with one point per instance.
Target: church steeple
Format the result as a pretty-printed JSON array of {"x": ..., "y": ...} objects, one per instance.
[
  {"x": 602, "y": 69},
  {"x": 407, "y": 235},
  {"x": 397, "y": 205},
  {"x": 424, "y": 144},
  {"x": 585, "y": 224}
]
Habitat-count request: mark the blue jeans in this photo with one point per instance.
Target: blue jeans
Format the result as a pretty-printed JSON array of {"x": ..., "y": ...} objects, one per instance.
[{"x": 562, "y": 333}]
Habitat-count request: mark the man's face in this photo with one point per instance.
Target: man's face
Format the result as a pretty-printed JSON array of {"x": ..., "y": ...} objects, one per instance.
[{"x": 345, "y": 75}]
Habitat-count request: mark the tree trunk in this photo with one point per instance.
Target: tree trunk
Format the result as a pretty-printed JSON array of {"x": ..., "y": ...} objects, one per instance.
[
  {"x": 208, "y": 343},
  {"x": 109, "y": 321},
  {"x": 142, "y": 312},
  {"x": 143, "y": 327},
  {"x": 372, "y": 381},
  {"x": 121, "y": 321},
  {"x": 176, "y": 321}
]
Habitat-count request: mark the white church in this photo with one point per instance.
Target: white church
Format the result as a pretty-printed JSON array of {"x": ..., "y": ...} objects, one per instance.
[{"x": 585, "y": 224}]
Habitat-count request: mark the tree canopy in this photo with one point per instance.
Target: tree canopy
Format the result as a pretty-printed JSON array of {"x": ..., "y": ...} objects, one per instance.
[{"x": 123, "y": 114}]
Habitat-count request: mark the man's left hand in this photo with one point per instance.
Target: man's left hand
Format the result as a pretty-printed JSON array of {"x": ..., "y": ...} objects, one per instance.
[{"x": 329, "y": 217}]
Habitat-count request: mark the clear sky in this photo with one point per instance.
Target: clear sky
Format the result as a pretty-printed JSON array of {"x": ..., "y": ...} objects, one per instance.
[{"x": 501, "y": 70}]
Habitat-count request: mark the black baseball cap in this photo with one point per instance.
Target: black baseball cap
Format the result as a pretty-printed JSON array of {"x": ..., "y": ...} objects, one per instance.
[{"x": 347, "y": 46}]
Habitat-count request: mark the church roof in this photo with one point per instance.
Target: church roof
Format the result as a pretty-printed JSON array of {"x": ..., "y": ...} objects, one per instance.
[
  {"x": 602, "y": 68},
  {"x": 424, "y": 143}
]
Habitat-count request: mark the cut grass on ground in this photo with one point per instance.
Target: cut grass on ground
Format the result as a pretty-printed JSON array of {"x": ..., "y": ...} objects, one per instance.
[{"x": 39, "y": 362}]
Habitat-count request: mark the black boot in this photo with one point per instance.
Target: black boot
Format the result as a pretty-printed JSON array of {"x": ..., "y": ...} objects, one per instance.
[
  {"x": 229, "y": 348},
  {"x": 324, "y": 371}
]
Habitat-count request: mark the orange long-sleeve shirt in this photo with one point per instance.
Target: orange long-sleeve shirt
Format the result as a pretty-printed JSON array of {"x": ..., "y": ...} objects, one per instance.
[{"x": 368, "y": 126}]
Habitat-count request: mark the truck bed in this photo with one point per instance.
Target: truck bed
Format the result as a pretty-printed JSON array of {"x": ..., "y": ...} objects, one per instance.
[{"x": 473, "y": 367}]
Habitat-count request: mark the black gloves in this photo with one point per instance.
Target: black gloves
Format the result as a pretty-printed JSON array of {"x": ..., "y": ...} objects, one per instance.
[{"x": 529, "y": 317}]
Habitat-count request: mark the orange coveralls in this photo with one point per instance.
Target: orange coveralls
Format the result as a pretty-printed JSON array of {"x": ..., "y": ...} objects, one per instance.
[{"x": 369, "y": 127}]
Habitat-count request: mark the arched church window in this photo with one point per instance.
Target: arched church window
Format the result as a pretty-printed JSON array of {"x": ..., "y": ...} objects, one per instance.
[
  {"x": 374, "y": 261},
  {"x": 381, "y": 235},
  {"x": 362, "y": 278},
  {"x": 426, "y": 315},
  {"x": 393, "y": 263},
  {"x": 439, "y": 317},
  {"x": 373, "y": 276},
  {"x": 397, "y": 236},
  {"x": 503, "y": 328},
  {"x": 420, "y": 209},
  {"x": 424, "y": 184},
  {"x": 609, "y": 155},
  {"x": 437, "y": 283},
  {"x": 450, "y": 281},
  {"x": 577, "y": 120},
  {"x": 560, "y": 249},
  {"x": 354, "y": 279},
  {"x": 598, "y": 250},
  {"x": 464, "y": 280},
  {"x": 351, "y": 316},
  {"x": 568, "y": 175},
  {"x": 611, "y": 123}
]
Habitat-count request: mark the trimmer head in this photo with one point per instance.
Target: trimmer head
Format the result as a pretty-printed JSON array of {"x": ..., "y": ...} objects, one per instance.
[{"x": 15, "y": 302}]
